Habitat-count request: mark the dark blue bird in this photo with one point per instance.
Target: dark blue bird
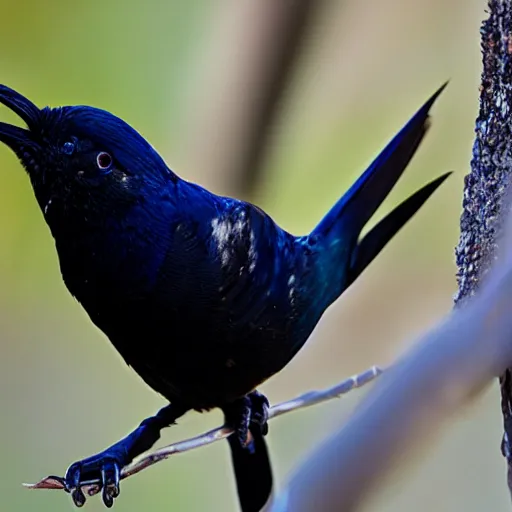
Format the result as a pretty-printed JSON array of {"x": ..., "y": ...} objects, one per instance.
[{"x": 205, "y": 297}]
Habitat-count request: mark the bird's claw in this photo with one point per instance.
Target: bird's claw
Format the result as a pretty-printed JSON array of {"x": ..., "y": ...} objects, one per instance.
[
  {"x": 103, "y": 471},
  {"x": 260, "y": 407},
  {"x": 249, "y": 412},
  {"x": 110, "y": 474}
]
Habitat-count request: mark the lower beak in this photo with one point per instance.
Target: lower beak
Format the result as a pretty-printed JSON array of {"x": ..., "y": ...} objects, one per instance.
[{"x": 18, "y": 139}]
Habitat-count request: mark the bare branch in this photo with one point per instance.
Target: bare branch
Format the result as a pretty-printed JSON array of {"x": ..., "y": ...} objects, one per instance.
[{"x": 305, "y": 400}]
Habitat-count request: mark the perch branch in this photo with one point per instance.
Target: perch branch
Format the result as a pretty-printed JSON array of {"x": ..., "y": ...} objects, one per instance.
[{"x": 305, "y": 400}]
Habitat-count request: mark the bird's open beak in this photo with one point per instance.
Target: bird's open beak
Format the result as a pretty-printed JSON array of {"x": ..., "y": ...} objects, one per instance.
[{"x": 13, "y": 136}]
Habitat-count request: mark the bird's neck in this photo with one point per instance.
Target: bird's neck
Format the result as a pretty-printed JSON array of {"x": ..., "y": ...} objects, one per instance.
[{"x": 108, "y": 247}]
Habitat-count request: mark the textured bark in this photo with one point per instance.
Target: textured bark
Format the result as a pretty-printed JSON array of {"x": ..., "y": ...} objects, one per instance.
[{"x": 491, "y": 167}]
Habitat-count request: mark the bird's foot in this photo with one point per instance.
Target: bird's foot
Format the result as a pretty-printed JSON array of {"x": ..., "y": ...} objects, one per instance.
[
  {"x": 260, "y": 407},
  {"x": 102, "y": 470},
  {"x": 246, "y": 414}
]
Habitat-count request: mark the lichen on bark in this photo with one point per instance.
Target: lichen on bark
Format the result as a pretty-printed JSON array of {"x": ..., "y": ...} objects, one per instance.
[{"x": 491, "y": 169}]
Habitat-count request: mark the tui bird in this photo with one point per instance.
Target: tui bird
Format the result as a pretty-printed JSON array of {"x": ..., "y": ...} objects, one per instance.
[{"x": 204, "y": 296}]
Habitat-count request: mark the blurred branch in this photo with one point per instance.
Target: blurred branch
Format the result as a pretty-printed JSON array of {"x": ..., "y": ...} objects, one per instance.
[
  {"x": 412, "y": 401},
  {"x": 490, "y": 170},
  {"x": 306, "y": 400},
  {"x": 258, "y": 52}
]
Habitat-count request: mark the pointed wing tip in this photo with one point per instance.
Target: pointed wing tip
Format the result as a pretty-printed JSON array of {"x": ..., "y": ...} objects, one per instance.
[
  {"x": 422, "y": 116},
  {"x": 427, "y": 190},
  {"x": 378, "y": 237},
  {"x": 422, "y": 195},
  {"x": 441, "y": 178},
  {"x": 441, "y": 89},
  {"x": 428, "y": 104}
]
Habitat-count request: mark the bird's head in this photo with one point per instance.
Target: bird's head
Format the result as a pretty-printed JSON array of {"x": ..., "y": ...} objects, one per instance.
[{"x": 81, "y": 157}]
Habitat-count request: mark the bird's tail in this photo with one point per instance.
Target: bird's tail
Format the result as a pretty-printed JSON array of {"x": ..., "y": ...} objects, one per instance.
[
  {"x": 338, "y": 232},
  {"x": 253, "y": 472}
]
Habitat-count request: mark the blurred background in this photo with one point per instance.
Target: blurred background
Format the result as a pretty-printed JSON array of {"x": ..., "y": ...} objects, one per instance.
[{"x": 188, "y": 76}]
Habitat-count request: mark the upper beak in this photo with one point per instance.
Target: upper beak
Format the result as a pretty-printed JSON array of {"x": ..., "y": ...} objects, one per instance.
[{"x": 18, "y": 138}]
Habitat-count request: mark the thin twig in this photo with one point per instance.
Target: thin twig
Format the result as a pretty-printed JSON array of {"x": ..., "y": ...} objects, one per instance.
[{"x": 217, "y": 434}]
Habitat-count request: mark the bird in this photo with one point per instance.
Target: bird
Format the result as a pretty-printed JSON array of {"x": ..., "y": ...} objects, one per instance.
[{"x": 204, "y": 296}]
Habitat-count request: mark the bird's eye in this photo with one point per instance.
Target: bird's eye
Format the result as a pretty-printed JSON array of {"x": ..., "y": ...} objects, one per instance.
[
  {"x": 104, "y": 161},
  {"x": 68, "y": 148}
]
